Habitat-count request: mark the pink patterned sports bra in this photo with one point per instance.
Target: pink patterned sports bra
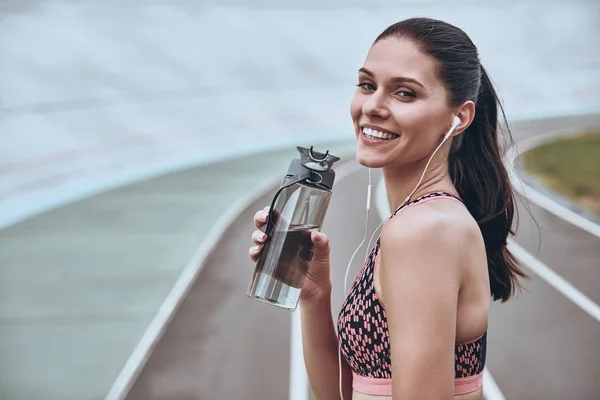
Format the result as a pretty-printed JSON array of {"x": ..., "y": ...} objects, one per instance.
[{"x": 364, "y": 336}]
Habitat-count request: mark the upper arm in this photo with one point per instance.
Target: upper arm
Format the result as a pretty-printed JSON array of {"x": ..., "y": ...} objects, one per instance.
[{"x": 420, "y": 281}]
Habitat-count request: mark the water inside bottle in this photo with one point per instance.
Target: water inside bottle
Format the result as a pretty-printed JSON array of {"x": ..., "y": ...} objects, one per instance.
[{"x": 282, "y": 267}]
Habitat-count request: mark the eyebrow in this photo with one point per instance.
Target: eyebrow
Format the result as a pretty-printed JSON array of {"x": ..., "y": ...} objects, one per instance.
[{"x": 395, "y": 79}]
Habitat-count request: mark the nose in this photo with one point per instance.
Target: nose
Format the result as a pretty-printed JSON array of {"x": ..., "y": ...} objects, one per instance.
[{"x": 376, "y": 106}]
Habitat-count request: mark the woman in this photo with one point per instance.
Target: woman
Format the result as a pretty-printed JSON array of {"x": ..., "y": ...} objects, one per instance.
[{"x": 414, "y": 324}]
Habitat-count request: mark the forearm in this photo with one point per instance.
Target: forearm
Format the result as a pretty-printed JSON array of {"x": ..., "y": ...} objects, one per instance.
[{"x": 320, "y": 345}]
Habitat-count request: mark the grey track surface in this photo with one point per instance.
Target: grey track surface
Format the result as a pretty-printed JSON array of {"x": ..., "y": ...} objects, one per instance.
[
  {"x": 228, "y": 346},
  {"x": 97, "y": 95},
  {"x": 541, "y": 346}
]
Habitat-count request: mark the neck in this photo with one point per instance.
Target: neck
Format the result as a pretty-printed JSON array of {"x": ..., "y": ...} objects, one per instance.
[{"x": 400, "y": 181}]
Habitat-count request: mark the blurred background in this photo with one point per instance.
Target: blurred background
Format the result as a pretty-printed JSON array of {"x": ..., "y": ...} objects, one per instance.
[{"x": 138, "y": 138}]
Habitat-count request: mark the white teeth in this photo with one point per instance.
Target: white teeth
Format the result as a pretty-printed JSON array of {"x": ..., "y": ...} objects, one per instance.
[{"x": 376, "y": 134}]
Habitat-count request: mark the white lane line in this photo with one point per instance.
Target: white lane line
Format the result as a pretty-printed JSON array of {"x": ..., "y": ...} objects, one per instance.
[
  {"x": 557, "y": 209},
  {"x": 157, "y": 327},
  {"x": 537, "y": 197},
  {"x": 491, "y": 391},
  {"x": 299, "y": 388},
  {"x": 381, "y": 202},
  {"x": 555, "y": 280},
  {"x": 538, "y": 267}
]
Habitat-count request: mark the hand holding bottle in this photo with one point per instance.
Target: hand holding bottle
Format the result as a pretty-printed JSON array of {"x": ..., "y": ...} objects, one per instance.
[
  {"x": 317, "y": 282},
  {"x": 292, "y": 263}
]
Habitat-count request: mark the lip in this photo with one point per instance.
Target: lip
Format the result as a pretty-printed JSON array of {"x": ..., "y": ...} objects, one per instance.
[{"x": 375, "y": 142}]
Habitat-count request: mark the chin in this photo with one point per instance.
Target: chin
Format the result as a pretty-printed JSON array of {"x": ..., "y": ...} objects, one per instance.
[{"x": 369, "y": 160}]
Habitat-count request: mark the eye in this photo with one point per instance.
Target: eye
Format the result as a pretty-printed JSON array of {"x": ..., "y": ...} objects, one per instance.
[
  {"x": 405, "y": 93},
  {"x": 367, "y": 86}
]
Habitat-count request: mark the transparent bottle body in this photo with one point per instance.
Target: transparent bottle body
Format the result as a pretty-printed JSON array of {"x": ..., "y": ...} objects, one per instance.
[{"x": 283, "y": 263}]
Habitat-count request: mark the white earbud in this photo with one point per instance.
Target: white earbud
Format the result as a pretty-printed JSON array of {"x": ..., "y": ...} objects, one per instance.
[
  {"x": 455, "y": 123},
  {"x": 456, "y": 120}
]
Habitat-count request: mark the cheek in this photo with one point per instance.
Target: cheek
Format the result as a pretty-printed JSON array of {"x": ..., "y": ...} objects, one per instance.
[
  {"x": 413, "y": 116},
  {"x": 419, "y": 119},
  {"x": 420, "y": 124}
]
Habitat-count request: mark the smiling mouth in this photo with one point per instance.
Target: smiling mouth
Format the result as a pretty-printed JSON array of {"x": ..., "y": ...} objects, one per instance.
[{"x": 377, "y": 135}]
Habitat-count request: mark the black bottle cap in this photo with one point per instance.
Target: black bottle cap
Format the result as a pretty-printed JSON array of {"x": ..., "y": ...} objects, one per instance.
[{"x": 318, "y": 165}]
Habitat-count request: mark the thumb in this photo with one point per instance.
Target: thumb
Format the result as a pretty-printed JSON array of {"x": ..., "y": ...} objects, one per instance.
[{"x": 321, "y": 242}]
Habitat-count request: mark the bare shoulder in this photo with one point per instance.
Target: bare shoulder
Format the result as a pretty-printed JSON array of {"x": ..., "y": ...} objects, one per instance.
[
  {"x": 441, "y": 221},
  {"x": 435, "y": 233}
]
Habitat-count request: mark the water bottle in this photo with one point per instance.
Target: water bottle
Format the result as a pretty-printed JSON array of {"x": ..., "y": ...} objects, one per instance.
[{"x": 298, "y": 208}]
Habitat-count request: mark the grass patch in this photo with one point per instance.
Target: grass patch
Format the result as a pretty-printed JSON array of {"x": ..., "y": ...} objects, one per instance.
[{"x": 571, "y": 167}]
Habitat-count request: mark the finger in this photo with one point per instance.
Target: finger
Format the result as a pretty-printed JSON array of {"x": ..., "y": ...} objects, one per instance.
[
  {"x": 260, "y": 218},
  {"x": 258, "y": 237},
  {"x": 254, "y": 252}
]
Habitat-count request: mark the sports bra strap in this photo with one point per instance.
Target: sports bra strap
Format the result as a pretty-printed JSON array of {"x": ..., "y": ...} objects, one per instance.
[{"x": 427, "y": 197}]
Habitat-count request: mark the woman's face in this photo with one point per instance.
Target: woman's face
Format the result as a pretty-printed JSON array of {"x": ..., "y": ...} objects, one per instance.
[{"x": 400, "y": 98}]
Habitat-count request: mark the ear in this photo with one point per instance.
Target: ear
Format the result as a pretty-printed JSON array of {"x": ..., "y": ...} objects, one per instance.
[{"x": 466, "y": 113}]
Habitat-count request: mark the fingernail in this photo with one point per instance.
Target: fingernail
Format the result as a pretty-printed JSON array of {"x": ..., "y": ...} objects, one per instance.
[
  {"x": 254, "y": 248},
  {"x": 263, "y": 236},
  {"x": 264, "y": 216}
]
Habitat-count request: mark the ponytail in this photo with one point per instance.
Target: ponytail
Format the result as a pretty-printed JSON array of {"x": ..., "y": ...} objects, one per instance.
[{"x": 482, "y": 181}]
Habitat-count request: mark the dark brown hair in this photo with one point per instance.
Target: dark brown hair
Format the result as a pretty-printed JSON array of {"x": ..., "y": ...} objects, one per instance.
[{"x": 475, "y": 160}]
